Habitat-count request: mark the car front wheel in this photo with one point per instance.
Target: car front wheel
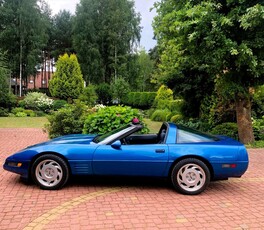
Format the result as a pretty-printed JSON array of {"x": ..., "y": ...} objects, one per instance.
[
  {"x": 190, "y": 176},
  {"x": 50, "y": 172}
]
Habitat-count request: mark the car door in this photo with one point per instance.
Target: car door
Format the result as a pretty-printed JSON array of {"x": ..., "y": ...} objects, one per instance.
[{"x": 134, "y": 160}]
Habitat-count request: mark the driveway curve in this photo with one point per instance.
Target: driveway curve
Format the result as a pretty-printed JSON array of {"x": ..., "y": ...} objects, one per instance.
[{"x": 88, "y": 203}]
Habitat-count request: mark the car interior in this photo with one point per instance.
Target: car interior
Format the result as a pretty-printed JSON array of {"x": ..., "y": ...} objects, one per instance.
[{"x": 137, "y": 139}]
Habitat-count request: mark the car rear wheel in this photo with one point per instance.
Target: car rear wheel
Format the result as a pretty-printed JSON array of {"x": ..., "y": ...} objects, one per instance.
[
  {"x": 190, "y": 176},
  {"x": 50, "y": 172}
]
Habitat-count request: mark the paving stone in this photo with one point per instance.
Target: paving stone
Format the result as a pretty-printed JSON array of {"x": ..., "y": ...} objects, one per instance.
[{"x": 124, "y": 204}]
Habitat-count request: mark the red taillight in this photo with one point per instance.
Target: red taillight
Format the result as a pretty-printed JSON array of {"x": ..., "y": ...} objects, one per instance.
[{"x": 229, "y": 166}]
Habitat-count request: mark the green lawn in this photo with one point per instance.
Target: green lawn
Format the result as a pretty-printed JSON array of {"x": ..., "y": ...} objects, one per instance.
[
  {"x": 38, "y": 122},
  {"x": 23, "y": 122},
  {"x": 153, "y": 126}
]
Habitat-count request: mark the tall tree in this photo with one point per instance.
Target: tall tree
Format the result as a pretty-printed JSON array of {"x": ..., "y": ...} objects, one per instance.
[
  {"x": 22, "y": 35},
  {"x": 104, "y": 33},
  {"x": 6, "y": 98},
  {"x": 219, "y": 39},
  {"x": 3, "y": 81},
  {"x": 146, "y": 66},
  {"x": 61, "y": 38}
]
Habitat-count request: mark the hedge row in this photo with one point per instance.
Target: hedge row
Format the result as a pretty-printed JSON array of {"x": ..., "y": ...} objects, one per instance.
[{"x": 141, "y": 100}]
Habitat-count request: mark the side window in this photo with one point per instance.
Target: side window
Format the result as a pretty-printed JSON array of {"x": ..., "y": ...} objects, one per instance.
[{"x": 186, "y": 135}]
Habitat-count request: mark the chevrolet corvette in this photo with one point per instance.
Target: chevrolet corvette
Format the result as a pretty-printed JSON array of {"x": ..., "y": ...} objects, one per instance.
[{"x": 189, "y": 158}]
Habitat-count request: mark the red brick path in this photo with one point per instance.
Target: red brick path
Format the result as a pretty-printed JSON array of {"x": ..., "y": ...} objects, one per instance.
[{"x": 88, "y": 204}]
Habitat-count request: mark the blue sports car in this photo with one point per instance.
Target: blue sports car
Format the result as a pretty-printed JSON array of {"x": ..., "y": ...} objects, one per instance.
[{"x": 190, "y": 159}]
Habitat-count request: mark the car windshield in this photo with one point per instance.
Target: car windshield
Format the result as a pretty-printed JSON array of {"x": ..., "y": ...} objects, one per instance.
[
  {"x": 188, "y": 135},
  {"x": 112, "y": 134}
]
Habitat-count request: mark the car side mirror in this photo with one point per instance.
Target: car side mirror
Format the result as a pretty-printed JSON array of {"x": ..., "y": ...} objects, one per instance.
[{"x": 116, "y": 144}]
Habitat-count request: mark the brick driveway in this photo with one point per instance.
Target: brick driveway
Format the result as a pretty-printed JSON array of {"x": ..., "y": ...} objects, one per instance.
[{"x": 127, "y": 204}]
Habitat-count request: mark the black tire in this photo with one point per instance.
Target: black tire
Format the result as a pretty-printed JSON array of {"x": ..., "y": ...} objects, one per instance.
[
  {"x": 190, "y": 176},
  {"x": 50, "y": 172}
]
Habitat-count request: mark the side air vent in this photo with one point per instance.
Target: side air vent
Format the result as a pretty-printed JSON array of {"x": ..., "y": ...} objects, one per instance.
[{"x": 82, "y": 168}]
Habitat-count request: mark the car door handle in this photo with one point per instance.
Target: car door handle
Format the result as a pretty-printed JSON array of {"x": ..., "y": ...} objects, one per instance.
[{"x": 160, "y": 150}]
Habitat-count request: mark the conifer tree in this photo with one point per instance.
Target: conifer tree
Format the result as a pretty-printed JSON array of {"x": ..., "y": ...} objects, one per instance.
[{"x": 67, "y": 82}]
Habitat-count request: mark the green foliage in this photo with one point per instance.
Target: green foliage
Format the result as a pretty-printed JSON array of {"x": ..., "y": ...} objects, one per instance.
[
  {"x": 258, "y": 128},
  {"x": 164, "y": 93},
  {"x": 258, "y": 102},
  {"x": 38, "y": 101},
  {"x": 165, "y": 105},
  {"x": 195, "y": 124},
  {"x": 67, "y": 120},
  {"x": 141, "y": 100},
  {"x": 256, "y": 144},
  {"x": 89, "y": 96},
  {"x": 120, "y": 88},
  {"x": 176, "y": 118},
  {"x": 161, "y": 115},
  {"x": 3, "y": 112},
  {"x": 110, "y": 118},
  {"x": 62, "y": 34},
  {"x": 145, "y": 70},
  {"x": 103, "y": 92},
  {"x": 67, "y": 81},
  {"x": 7, "y": 99},
  {"x": 105, "y": 32},
  {"x": 58, "y": 104},
  {"x": 215, "y": 110},
  {"x": 228, "y": 129},
  {"x": 21, "y": 112},
  {"x": 23, "y": 29},
  {"x": 171, "y": 105},
  {"x": 202, "y": 41}
]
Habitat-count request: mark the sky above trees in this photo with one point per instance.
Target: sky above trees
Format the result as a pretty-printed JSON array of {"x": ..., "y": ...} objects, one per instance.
[{"x": 142, "y": 6}]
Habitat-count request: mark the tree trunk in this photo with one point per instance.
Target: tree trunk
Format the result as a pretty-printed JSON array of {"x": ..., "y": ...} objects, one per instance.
[{"x": 243, "y": 114}]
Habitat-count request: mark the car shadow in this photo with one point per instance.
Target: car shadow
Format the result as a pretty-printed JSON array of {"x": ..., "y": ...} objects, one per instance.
[{"x": 118, "y": 181}]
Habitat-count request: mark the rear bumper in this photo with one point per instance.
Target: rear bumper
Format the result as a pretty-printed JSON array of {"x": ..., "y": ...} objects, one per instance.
[{"x": 224, "y": 173}]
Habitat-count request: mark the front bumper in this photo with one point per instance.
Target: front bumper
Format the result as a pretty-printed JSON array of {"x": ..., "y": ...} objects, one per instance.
[{"x": 18, "y": 167}]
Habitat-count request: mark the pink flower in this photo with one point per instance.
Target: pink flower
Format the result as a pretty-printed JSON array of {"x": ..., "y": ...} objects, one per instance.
[{"x": 135, "y": 120}]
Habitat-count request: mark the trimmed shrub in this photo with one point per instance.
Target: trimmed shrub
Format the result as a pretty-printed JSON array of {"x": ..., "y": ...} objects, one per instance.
[
  {"x": 141, "y": 100},
  {"x": 58, "y": 104},
  {"x": 228, "y": 129},
  {"x": 67, "y": 82},
  {"x": 67, "y": 120},
  {"x": 171, "y": 105},
  {"x": 176, "y": 118},
  {"x": 37, "y": 101},
  {"x": 161, "y": 115},
  {"x": 17, "y": 110},
  {"x": 21, "y": 112},
  {"x": 110, "y": 118},
  {"x": 164, "y": 93}
]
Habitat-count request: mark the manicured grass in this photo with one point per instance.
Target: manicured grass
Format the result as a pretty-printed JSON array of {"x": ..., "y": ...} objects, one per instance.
[
  {"x": 23, "y": 122},
  {"x": 39, "y": 122},
  {"x": 256, "y": 144},
  {"x": 153, "y": 126}
]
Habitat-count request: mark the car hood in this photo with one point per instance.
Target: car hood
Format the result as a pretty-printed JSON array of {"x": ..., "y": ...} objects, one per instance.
[{"x": 68, "y": 139}]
